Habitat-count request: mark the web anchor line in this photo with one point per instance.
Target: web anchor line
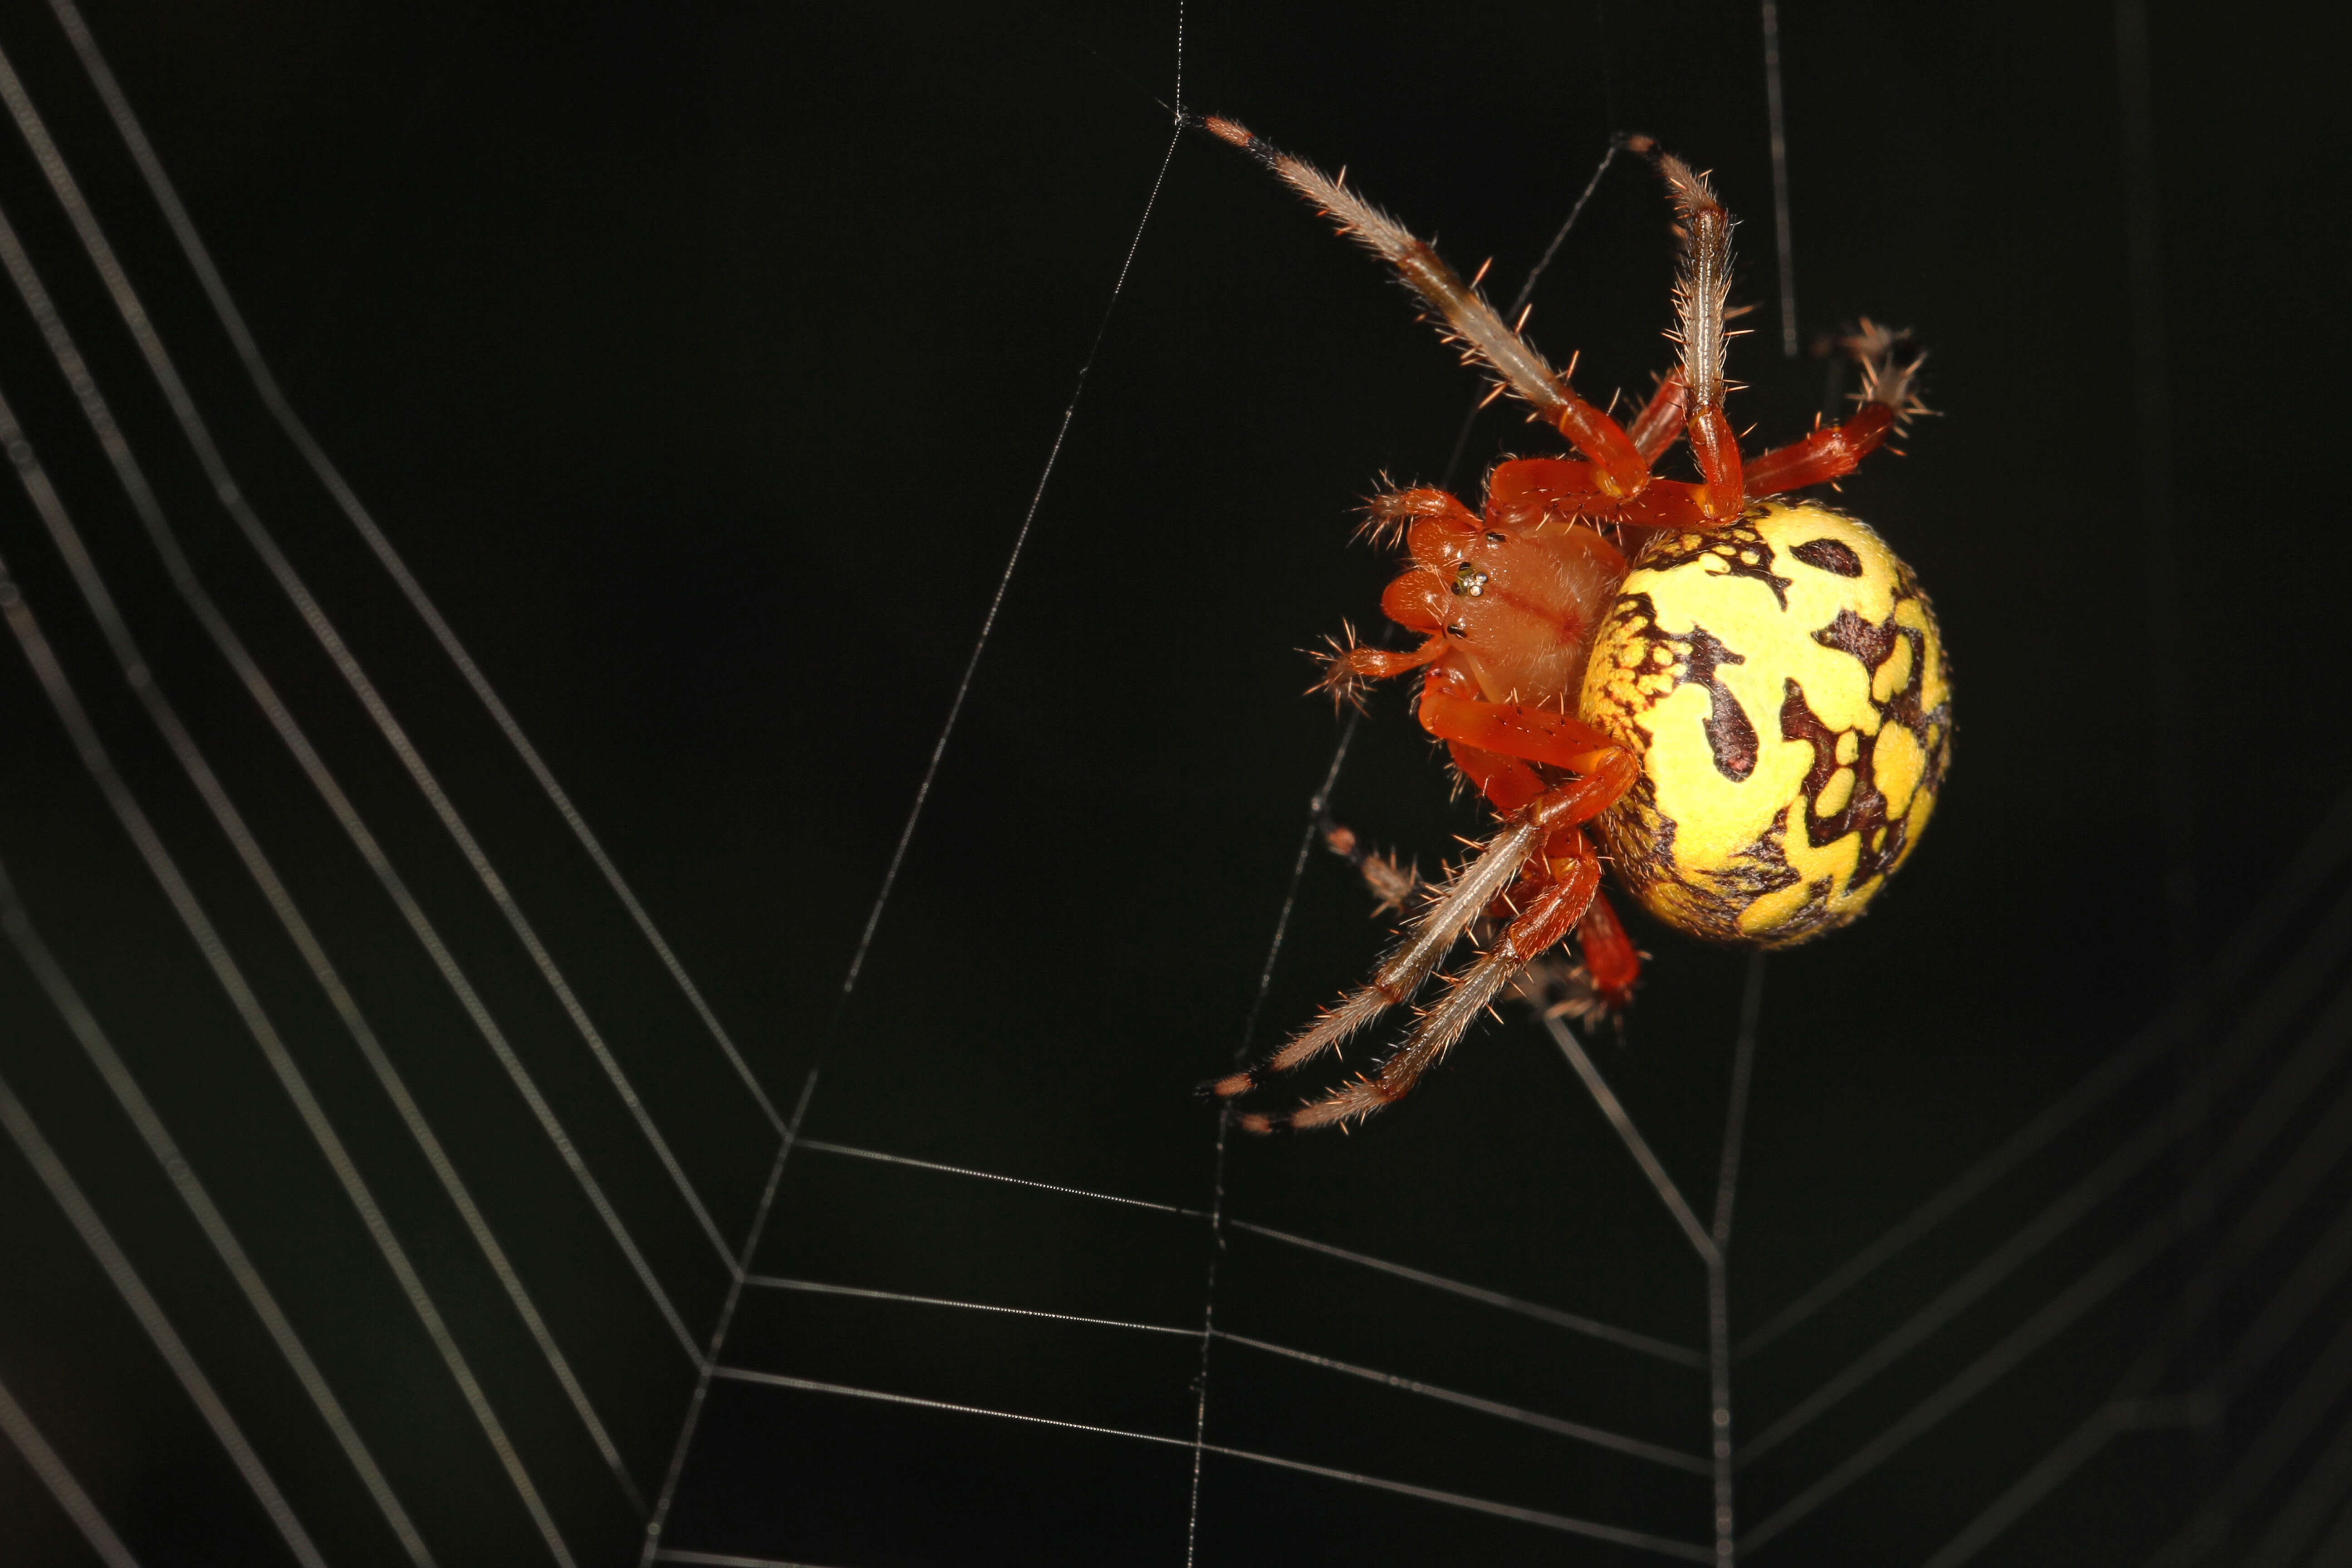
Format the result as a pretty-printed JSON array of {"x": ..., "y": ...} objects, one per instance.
[
  {"x": 65, "y": 703},
  {"x": 1663, "y": 1350},
  {"x": 281, "y": 409},
  {"x": 116, "y": 1264},
  {"x": 234, "y": 500},
  {"x": 1579, "y": 1431},
  {"x": 2322, "y": 854},
  {"x": 1615, "y": 1534},
  {"x": 1774, "y": 110},
  {"x": 2298, "y": 985},
  {"x": 659, "y": 1520},
  {"x": 1710, "y": 1242},
  {"x": 138, "y": 672},
  {"x": 656, "y": 1527},
  {"x": 2307, "y": 983},
  {"x": 50, "y": 1466}
]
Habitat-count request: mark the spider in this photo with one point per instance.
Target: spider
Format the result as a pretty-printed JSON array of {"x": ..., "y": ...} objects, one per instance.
[{"x": 1745, "y": 701}]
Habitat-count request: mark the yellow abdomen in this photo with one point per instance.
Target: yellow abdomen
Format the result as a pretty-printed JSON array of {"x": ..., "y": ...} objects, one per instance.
[{"x": 1784, "y": 684}]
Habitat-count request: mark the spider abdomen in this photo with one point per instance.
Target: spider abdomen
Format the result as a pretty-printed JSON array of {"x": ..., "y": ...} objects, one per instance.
[{"x": 1784, "y": 686}]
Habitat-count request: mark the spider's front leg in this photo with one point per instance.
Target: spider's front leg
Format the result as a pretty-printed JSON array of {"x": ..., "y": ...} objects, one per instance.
[{"x": 1347, "y": 669}]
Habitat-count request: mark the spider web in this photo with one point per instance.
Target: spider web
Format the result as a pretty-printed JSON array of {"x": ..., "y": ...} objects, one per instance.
[{"x": 466, "y": 1230}]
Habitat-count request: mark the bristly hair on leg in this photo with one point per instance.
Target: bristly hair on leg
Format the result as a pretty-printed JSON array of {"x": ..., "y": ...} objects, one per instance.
[
  {"x": 1443, "y": 1022},
  {"x": 1389, "y": 513},
  {"x": 1434, "y": 1033},
  {"x": 1471, "y": 319},
  {"x": 1429, "y": 939},
  {"x": 1703, "y": 275},
  {"x": 1340, "y": 678},
  {"x": 1886, "y": 378},
  {"x": 1559, "y": 986},
  {"x": 1391, "y": 884}
]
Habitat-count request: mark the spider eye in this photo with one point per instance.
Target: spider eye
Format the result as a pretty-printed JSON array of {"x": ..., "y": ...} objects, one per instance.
[
  {"x": 1499, "y": 538},
  {"x": 1470, "y": 579}
]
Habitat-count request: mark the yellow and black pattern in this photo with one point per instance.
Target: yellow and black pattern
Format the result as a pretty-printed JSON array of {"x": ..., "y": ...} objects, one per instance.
[{"x": 1785, "y": 686}]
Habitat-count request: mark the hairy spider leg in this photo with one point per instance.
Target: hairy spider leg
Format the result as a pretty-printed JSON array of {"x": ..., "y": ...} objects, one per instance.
[
  {"x": 1611, "y": 959},
  {"x": 1393, "y": 884},
  {"x": 1889, "y": 397},
  {"x": 1623, "y": 470},
  {"x": 1346, "y": 669},
  {"x": 1661, "y": 419},
  {"x": 1553, "y": 914},
  {"x": 1688, "y": 404},
  {"x": 1494, "y": 743},
  {"x": 1400, "y": 974},
  {"x": 1702, "y": 294}
]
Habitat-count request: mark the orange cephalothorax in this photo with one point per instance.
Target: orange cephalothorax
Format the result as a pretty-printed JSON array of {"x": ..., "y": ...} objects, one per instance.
[{"x": 1509, "y": 602}]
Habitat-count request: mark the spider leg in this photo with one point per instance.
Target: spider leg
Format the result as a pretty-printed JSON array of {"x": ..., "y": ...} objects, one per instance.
[
  {"x": 1702, "y": 292},
  {"x": 1388, "y": 517},
  {"x": 1519, "y": 731},
  {"x": 1393, "y": 885},
  {"x": 1889, "y": 396},
  {"x": 1623, "y": 470},
  {"x": 1610, "y": 957},
  {"x": 1529, "y": 493},
  {"x": 1348, "y": 670},
  {"x": 1661, "y": 419},
  {"x": 1551, "y": 917},
  {"x": 1494, "y": 743},
  {"x": 1426, "y": 943}
]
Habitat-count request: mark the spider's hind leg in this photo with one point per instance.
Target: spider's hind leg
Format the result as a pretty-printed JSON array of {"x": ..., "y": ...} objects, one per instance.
[
  {"x": 1429, "y": 939},
  {"x": 1392, "y": 884},
  {"x": 1594, "y": 987},
  {"x": 1553, "y": 914},
  {"x": 1890, "y": 396}
]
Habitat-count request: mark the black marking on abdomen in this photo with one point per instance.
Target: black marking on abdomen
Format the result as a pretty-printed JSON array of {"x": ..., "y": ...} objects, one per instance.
[
  {"x": 1730, "y": 734},
  {"x": 1832, "y": 555}
]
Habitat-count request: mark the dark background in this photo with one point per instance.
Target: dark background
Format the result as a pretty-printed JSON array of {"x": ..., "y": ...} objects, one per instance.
[{"x": 702, "y": 361}]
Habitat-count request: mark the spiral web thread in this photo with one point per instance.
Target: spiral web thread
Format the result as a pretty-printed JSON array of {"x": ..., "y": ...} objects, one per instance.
[{"x": 2265, "y": 1095}]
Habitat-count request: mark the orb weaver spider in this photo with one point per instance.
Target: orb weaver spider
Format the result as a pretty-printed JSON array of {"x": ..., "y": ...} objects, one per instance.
[{"x": 1745, "y": 699}]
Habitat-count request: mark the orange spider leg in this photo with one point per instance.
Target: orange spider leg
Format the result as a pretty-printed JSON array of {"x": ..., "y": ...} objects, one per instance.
[
  {"x": 1724, "y": 495},
  {"x": 1552, "y": 915},
  {"x": 1888, "y": 398},
  {"x": 1661, "y": 419},
  {"x": 1414, "y": 600},
  {"x": 1345, "y": 669},
  {"x": 1508, "y": 783},
  {"x": 1394, "y": 513},
  {"x": 1487, "y": 739},
  {"x": 1702, "y": 292},
  {"x": 1610, "y": 957},
  {"x": 1621, "y": 469},
  {"x": 1515, "y": 729},
  {"x": 1528, "y": 492},
  {"x": 1612, "y": 965},
  {"x": 1826, "y": 454},
  {"x": 1494, "y": 743},
  {"x": 1670, "y": 503}
]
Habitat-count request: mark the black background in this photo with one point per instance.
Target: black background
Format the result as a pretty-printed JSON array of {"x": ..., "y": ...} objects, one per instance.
[{"x": 702, "y": 361}]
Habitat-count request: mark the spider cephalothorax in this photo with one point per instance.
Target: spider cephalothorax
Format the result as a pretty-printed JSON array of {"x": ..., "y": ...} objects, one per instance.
[{"x": 1745, "y": 699}]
